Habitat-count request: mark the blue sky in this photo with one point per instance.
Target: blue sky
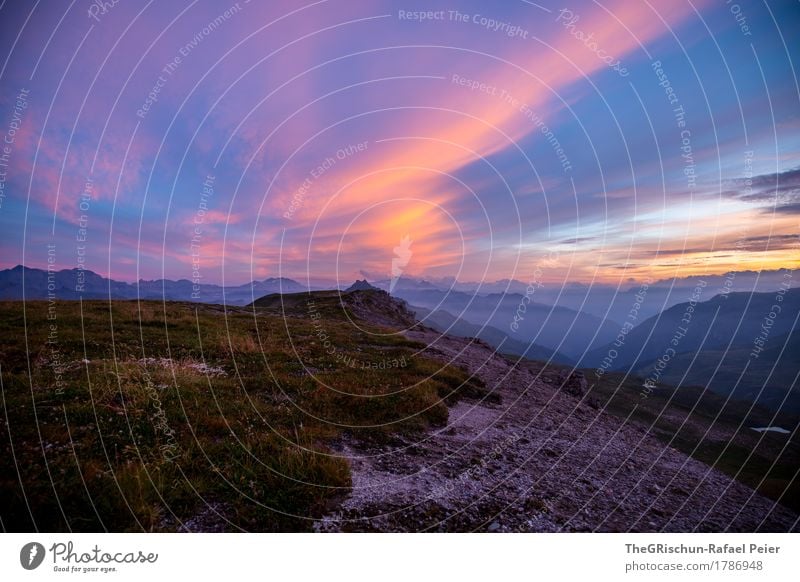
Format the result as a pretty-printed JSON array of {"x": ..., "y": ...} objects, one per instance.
[{"x": 487, "y": 150}]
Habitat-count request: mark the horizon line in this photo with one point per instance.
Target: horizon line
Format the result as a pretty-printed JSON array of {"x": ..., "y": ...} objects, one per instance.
[{"x": 322, "y": 280}]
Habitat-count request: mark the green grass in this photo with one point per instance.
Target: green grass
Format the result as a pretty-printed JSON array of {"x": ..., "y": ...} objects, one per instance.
[
  {"x": 121, "y": 428},
  {"x": 764, "y": 462}
]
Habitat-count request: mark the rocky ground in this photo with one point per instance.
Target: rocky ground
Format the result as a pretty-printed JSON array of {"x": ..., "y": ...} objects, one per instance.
[{"x": 537, "y": 455}]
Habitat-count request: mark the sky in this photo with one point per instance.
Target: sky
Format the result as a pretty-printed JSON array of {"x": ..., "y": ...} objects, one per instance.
[{"x": 224, "y": 142}]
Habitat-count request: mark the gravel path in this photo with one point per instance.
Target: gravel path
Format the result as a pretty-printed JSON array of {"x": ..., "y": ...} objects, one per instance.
[{"x": 540, "y": 460}]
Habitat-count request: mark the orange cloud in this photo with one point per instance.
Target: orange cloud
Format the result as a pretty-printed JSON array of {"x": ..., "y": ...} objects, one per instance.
[{"x": 464, "y": 126}]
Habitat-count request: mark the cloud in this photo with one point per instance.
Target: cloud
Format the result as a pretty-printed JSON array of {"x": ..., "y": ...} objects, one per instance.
[
  {"x": 792, "y": 208},
  {"x": 774, "y": 192}
]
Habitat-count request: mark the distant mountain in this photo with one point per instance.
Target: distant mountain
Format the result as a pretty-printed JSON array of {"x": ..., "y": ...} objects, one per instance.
[
  {"x": 657, "y": 296},
  {"x": 561, "y": 329},
  {"x": 717, "y": 348},
  {"x": 445, "y": 322},
  {"x": 407, "y": 283},
  {"x": 602, "y": 300},
  {"x": 72, "y": 284},
  {"x": 724, "y": 320}
]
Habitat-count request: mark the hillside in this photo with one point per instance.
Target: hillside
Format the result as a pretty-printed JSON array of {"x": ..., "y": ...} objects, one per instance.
[
  {"x": 770, "y": 380},
  {"x": 721, "y": 321},
  {"x": 547, "y": 454},
  {"x": 710, "y": 428},
  {"x": 171, "y": 417},
  {"x": 716, "y": 348},
  {"x": 334, "y": 411}
]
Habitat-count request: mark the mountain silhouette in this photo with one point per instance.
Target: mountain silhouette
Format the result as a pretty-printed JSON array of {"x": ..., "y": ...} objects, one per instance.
[
  {"x": 361, "y": 285},
  {"x": 72, "y": 284}
]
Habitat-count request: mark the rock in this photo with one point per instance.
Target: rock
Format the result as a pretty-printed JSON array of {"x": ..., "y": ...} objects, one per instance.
[
  {"x": 361, "y": 285},
  {"x": 576, "y": 384},
  {"x": 494, "y": 526}
]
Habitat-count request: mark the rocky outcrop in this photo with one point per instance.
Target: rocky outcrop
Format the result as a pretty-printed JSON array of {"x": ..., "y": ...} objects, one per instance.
[
  {"x": 379, "y": 308},
  {"x": 575, "y": 384},
  {"x": 361, "y": 285}
]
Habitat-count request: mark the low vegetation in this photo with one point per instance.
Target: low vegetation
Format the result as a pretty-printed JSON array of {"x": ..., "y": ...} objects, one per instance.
[
  {"x": 707, "y": 426},
  {"x": 130, "y": 416}
]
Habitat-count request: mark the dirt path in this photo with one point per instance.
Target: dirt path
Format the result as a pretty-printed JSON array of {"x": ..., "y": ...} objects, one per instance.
[{"x": 540, "y": 460}]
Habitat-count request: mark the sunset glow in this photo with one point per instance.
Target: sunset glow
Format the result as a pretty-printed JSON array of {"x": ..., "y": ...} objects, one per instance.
[{"x": 614, "y": 134}]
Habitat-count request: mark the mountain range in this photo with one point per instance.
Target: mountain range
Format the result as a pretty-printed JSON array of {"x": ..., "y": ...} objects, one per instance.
[
  {"x": 560, "y": 329},
  {"x": 445, "y": 322},
  {"x": 707, "y": 341},
  {"x": 602, "y": 300},
  {"x": 72, "y": 284},
  {"x": 739, "y": 344}
]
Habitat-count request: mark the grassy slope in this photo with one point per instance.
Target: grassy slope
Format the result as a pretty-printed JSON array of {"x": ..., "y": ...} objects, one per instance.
[
  {"x": 699, "y": 423},
  {"x": 136, "y": 435},
  {"x": 768, "y": 377},
  {"x": 756, "y": 459}
]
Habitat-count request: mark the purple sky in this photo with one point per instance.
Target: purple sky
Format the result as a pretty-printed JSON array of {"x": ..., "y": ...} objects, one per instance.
[{"x": 247, "y": 140}]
